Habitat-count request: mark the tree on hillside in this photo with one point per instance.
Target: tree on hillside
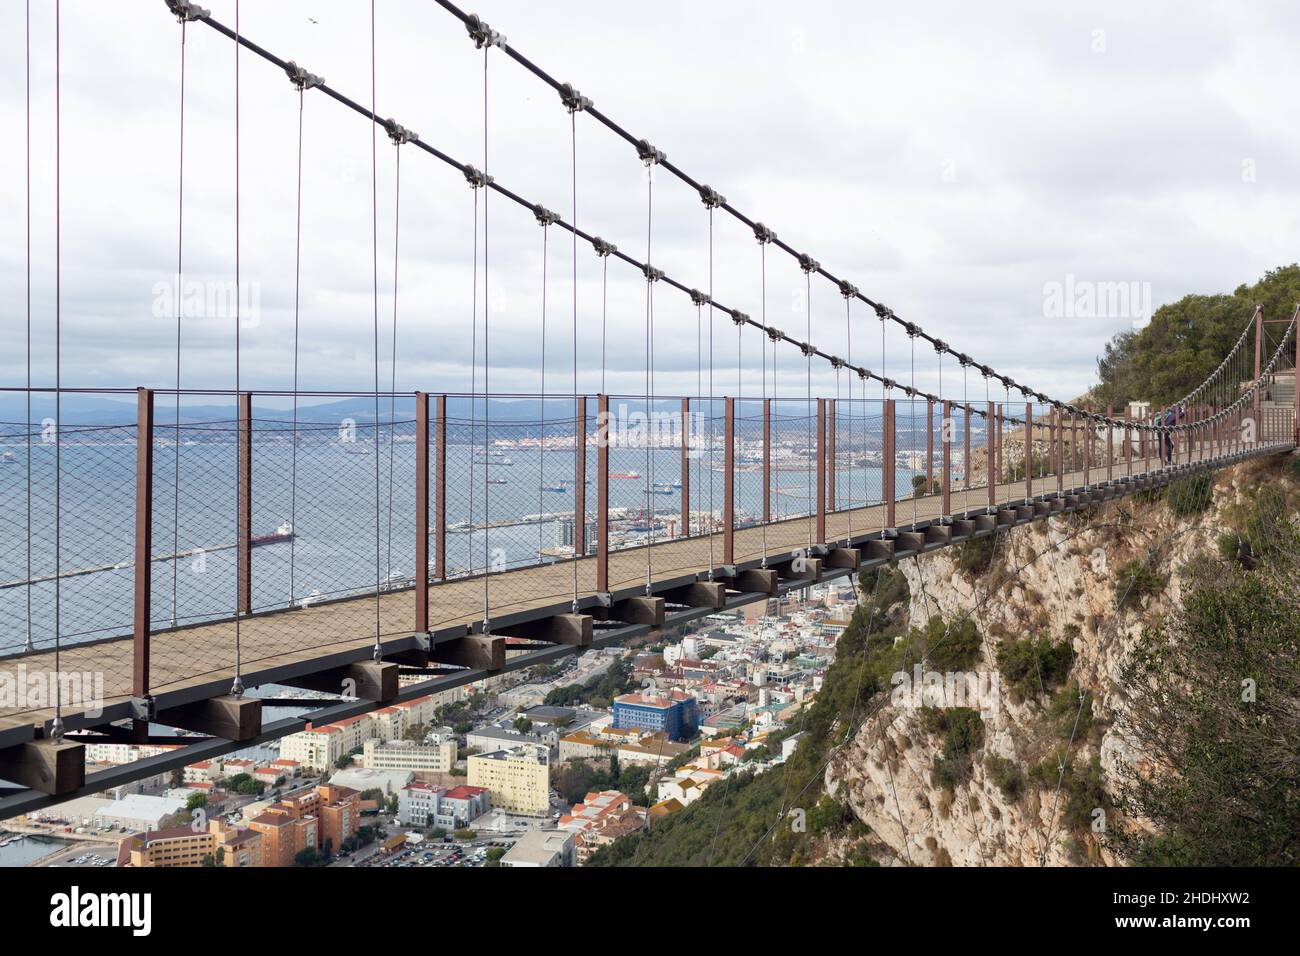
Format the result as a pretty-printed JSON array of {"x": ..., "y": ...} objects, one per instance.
[{"x": 1214, "y": 719}]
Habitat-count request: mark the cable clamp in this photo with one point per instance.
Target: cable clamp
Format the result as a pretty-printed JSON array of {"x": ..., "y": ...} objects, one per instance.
[
  {"x": 603, "y": 248},
  {"x": 964, "y": 360},
  {"x": 884, "y": 313},
  {"x": 399, "y": 134},
  {"x": 651, "y": 273},
  {"x": 477, "y": 179},
  {"x": 573, "y": 101},
  {"x": 712, "y": 198},
  {"x": 940, "y": 346},
  {"x": 910, "y": 392},
  {"x": 699, "y": 298},
  {"x": 776, "y": 335},
  {"x": 482, "y": 34},
  {"x": 300, "y": 78},
  {"x": 186, "y": 12},
  {"x": 913, "y": 330},
  {"x": 889, "y": 383},
  {"x": 808, "y": 264},
  {"x": 808, "y": 350},
  {"x": 544, "y": 216},
  {"x": 649, "y": 155},
  {"x": 837, "y": 363},
  {"x": 740, "y": 318},
  {"x": 763, "y": 234},
  {"x": 848, "y": 289},
  {"x": 864, "y": 373}
]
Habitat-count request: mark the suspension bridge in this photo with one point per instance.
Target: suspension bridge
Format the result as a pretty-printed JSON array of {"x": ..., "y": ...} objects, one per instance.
[{"x": 395, "y": 544}]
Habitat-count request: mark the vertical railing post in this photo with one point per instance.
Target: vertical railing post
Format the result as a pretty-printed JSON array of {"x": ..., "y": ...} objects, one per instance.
[
  {"x": 832, "y": 416},
  {"x": 946, "y": 425},
  {"x": 1110, "y": 443},
  {"x": 685, "y": 467},
  {"x": 1128, "y": 443},
  {"x": 1295, "y": 378},
  {"x": 767, "y": 460},
  {"x": 440, "y": 487},
  {"x": 887, "y": 465},
  {"x": 1089, "y": 431},
  {"x": 143, "y": 542},
  {"x": 580, "y": 476},
  {"x": 1058, "y": 448},
  {"x": 421, "y": 575},
  {"x": 990, "y": 454},
  {"x": 929, "y": 446},
  {"x": 244, "y": 505},
  {"x": 1029, "y": 452},
  {"x": 602, "y": 493},
  {"x": 729, "y": 483},
  {"x": 821, "y": 470}
]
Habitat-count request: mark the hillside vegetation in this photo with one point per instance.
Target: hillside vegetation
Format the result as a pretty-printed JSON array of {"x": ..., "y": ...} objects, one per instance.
[{"x": 1186, "y": 340}]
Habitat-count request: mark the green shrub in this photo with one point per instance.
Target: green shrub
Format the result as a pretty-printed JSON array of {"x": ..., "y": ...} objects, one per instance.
[
  {"x": 1190, "y": 496},
  {"x": 1005, "y": 775},
  {"x": 975, "y": 556},
  {"x": 1071, "y": 711},
  {"x": 1031, "y": 666},
  {"x": 1136, "y": 581},
  {"x": 963, "y": 736}
]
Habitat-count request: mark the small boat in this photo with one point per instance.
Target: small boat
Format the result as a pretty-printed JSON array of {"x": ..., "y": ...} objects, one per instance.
[
  {"x": 625, "y": 474},
  {"x": 282, "y": 534},
  {"x": 557, "y": 489},
  {"x": 7, "y": 456},
  {"x": 497, "y": 481}
]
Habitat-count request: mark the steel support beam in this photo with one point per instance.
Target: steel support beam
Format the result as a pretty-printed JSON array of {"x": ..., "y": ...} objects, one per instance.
[
  {"x": 421, "y": 574},
  {"x": 244, "y": 506}
]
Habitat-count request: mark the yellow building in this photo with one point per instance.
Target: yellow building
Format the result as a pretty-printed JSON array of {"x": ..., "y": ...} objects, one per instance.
[
  {"x": 219, "y": 844},
  {"x": 519, "y": 780}
]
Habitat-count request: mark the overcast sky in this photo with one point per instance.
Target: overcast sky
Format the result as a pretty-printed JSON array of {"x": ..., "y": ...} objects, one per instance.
[{"x": 953, "y": 160}]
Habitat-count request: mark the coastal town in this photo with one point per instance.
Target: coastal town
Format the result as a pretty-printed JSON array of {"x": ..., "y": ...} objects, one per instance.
[{"x": 534, "y": 768}]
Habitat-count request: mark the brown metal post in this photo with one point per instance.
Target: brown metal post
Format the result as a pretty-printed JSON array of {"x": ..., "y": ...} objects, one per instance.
[
  {"x": 946, "y": 425},
  {"x": 767, "y": 460},
  {"x": 1110, "y": 443},
  {"x": 244, "y": 505},
  {"x": 440, "y": 487},
  {"x": 990, "y": 454},
  {"x": 821, "y": 470},
  {"x": 685, "y": 468},
  {"x": 580, "y": 478},
  {"x": 1058, "y": 448},
  {"x": 1029, "y": 451},
  {"x": 1089, "y": 430},
  {"x": 929, "y": 446},
  {"x": 421, "y": 575},
  {"x": 831, "y": 418},
  {"x": 602, "y": 493},
  {"x": 143, "y": 541},
  {"x": 1128, "y": 443},
  {"x": 729, "y": 483},
  {"x": 888, "y": 465}
]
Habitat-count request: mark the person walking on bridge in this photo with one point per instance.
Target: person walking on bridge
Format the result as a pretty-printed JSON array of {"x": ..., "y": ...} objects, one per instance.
[{"x": 1171, "y": 418}]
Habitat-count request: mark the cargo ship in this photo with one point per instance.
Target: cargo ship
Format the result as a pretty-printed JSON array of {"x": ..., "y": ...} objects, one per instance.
[{"x": 282, "y": 534}]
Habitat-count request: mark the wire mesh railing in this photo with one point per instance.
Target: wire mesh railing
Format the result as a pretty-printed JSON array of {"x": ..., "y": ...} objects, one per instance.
[{"x": 326, "y": 509}]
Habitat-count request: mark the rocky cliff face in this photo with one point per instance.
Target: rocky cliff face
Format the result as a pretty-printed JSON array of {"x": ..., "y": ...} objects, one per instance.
[{"x": 1057, "y": 579}]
